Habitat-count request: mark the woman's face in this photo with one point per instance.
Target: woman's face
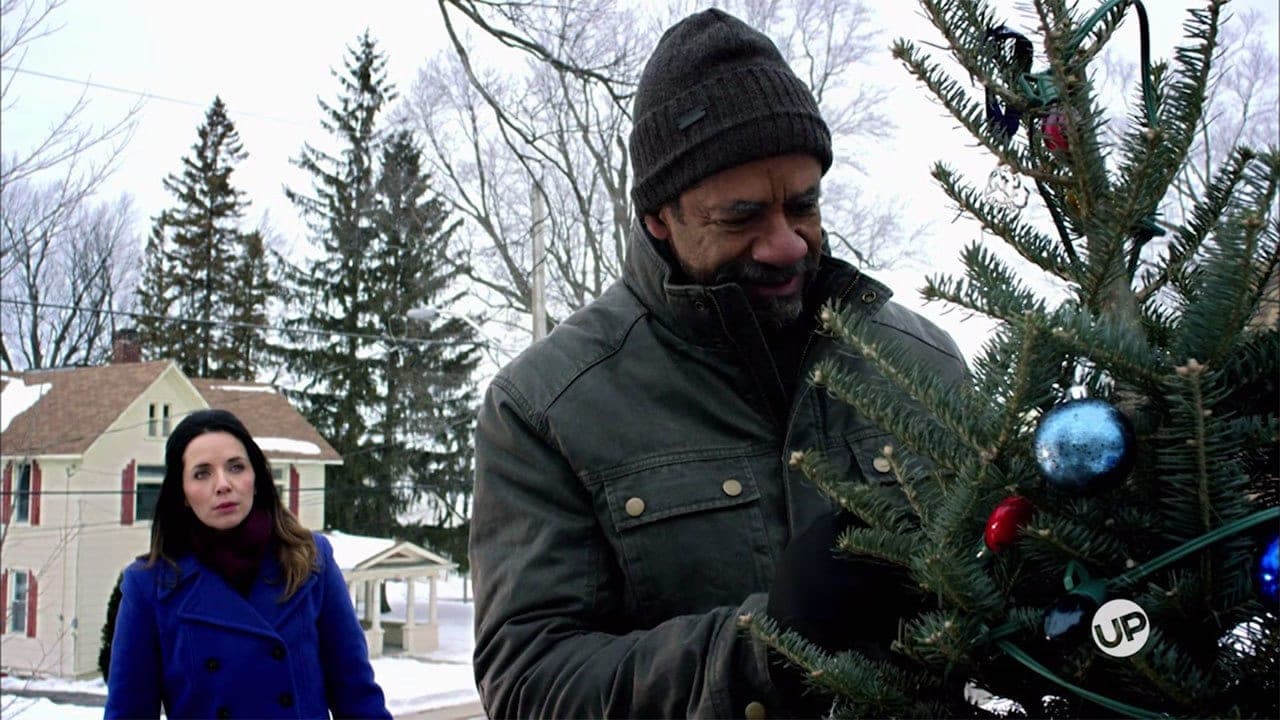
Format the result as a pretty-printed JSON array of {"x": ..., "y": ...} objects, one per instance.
[{"x": 217, "y": 480}]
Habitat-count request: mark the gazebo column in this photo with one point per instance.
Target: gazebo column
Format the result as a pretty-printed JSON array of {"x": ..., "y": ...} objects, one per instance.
[
  {"x": 408, "y": 608},
  {"x": 431, "y": 604},
  {"x": 375, "y": 607}
]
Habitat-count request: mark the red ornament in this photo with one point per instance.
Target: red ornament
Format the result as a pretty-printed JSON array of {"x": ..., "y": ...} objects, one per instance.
[
  {"x": 1002, "y": 526},
  {"x": 1054, "y": 129}
]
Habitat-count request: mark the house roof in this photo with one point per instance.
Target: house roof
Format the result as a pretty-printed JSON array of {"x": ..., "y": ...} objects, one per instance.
[
  {"x": 63, "y": 411},
  {"x": 278, "y": 427},
  {"x": 363, "y": 556},
  {"x": 76, "y": 406}
]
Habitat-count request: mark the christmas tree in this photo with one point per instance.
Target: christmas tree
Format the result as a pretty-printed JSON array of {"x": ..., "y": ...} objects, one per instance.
[{"x": 1116, "y": 446}]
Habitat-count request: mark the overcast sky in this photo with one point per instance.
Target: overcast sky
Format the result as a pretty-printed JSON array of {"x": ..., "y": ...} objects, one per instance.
[{"x": 270, "y": 61}]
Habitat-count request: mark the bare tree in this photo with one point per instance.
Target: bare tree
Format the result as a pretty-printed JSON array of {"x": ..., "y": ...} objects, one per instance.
[
  {"x": 536, "y": 98},
  {"x": 67, "y": 269},
  {"x": 63, "y": 255}
]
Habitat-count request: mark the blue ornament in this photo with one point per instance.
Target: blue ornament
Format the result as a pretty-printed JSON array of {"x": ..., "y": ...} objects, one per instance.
[
  {"x": 1268, "y": 573},
  {"x": 1066, "y": 620},
  {"x": 1084, "y": 445}
]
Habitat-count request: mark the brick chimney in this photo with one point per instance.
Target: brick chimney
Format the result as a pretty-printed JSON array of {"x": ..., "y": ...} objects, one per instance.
[{"x": 126, "y": 347}]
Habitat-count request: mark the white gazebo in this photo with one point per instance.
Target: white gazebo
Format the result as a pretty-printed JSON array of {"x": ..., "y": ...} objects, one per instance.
[{"x": 367, "y": 562}]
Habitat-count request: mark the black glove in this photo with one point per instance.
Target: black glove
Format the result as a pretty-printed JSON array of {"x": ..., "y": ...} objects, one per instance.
[{"x": 836, "y": 601}]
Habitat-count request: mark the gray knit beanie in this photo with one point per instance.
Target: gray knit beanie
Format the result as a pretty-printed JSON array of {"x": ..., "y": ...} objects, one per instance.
[{"x": 716, "y": 94}]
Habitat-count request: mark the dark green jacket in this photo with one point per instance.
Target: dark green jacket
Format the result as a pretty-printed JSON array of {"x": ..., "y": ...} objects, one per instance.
[{"x": 633, "y": 494}]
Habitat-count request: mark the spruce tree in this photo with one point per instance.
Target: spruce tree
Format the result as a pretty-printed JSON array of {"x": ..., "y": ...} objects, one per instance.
[
  {"x": 200, "y": 264},
  {"x": 423, "y": 434},
  {"x": 371, "y": 233},
  {"x": 1021, "y": 508}
]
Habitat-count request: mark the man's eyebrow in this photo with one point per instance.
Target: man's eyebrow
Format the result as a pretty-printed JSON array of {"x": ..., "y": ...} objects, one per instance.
[{"x": 808, "y": 196}]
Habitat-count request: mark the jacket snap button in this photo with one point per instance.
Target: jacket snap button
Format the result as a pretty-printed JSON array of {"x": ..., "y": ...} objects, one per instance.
[
  {"x": 277, "y": 652},
  {"x": 755, "y": 711},
  {"x": 732, "y": 487},
  {"x": 212, "y": 664},
  {"x": 286, "y": 700},
  {"x": 881, "y": 464},
  {"x": 869, "y": 297},
  {"x": 634, "y": 507},
  {"x": 699, "y": 305}
]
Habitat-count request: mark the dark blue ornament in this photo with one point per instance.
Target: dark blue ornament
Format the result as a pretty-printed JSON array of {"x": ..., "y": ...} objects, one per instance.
[
  {"x": 1069, "y": 616},
  {"x": 1268, "y": 573},
  {"x": 1083, "y": 446}
]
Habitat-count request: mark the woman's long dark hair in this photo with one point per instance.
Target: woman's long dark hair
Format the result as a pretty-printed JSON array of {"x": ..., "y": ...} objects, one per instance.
[{"x": 174, "y": 520}]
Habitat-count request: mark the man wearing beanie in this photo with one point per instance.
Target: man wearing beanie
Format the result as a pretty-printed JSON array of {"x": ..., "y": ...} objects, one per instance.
[{"x": 633, "y": 493}]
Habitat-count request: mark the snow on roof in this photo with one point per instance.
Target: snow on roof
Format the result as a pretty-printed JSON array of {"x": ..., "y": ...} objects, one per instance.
[
  {"x": 245, "y": 388},
  {"x": 351, "y": 550},
  {"x": 16, "y": 397},
  {"x": 301, "y": 447}
]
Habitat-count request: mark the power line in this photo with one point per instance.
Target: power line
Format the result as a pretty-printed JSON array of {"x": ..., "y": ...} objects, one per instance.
[
  {"x": 146, "y": 95},
  {"x": 239, "y": 324}
]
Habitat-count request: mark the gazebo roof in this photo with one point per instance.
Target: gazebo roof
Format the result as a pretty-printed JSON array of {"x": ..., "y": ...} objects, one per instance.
[{"x": 361, "y": 557}]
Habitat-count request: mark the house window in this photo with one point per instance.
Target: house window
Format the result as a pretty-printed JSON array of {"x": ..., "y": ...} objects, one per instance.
[
  {"x": 158, "y": 424},
  {"x": 19, "y": 583},
  {"x": 277, "y": 475},
  {"x": 22, "y": 494},
  {"x": 146, "y": 491}
]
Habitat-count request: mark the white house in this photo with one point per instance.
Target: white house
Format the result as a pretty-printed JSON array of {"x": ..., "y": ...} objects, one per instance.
[{"x": 82, "y": 451}]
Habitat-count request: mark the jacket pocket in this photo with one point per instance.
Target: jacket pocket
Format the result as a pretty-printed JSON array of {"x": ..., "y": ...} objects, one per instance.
[
  {"x": 690, "y": 534},
  {"x": 868, "y": 456}
]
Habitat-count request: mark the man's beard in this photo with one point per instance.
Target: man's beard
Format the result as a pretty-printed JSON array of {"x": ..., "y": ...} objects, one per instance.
[{"x": 773, "y": 313}]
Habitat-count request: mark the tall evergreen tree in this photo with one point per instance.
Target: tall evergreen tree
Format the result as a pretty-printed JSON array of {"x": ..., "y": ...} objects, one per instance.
[
  {"x": 429, "y": 399},
  {"x": 391, "y": 396},
  {"x": 202, "y": 267},
  {"x": 1019, "y": 509}
]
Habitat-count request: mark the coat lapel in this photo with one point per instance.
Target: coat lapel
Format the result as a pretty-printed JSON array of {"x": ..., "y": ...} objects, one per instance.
[{"x": 265, "y": 594}]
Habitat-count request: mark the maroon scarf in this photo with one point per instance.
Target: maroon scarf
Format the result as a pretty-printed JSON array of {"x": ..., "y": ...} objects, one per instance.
[{"x": 235, "y": 554}]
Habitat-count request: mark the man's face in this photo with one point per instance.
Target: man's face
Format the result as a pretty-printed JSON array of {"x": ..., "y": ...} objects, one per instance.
[{"x": 757, "y": 225}]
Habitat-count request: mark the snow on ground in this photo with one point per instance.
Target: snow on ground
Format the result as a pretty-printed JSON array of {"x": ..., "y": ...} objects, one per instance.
[{"x": 439, "y": 679}]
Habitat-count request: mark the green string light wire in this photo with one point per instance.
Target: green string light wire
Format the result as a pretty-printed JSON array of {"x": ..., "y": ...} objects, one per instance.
[{"x": 1122, "y": 581}]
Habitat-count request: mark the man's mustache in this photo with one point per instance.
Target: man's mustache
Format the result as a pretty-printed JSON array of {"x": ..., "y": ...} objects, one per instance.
[{"x": 751, "y": 272}]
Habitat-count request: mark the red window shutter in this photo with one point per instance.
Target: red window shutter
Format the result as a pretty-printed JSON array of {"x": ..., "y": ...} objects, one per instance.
[
  {"x": 293, "y": 488},
  {"x": 6, "y": 503},
  {"x": 4, "y": 601},
  {"x": 35, "y": 492},
  {"x": 127, "y": 479},
  {"x": 32, "y": 597}
]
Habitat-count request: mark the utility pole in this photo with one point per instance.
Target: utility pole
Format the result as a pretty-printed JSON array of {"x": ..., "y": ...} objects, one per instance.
[{"x": 539, "y": 299}]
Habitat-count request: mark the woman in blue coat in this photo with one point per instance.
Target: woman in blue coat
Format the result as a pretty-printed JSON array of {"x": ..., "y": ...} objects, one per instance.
[{"x": 238, "y": 611}]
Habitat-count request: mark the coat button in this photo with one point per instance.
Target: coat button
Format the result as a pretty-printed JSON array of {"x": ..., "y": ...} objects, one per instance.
[
  {"x": 881, "y": 464},
  {"x": 732, "y": 487},
  {"x": 869, "y": 297},
  {"x": 212, "y": 664},
  {"x": 635, "y": 507},
  {"x": 223, "y": 712},
  {"x": 286, "y": 700},
  {"x": 755, "y": 711},
  {"x": 699, "y": 305},
  {"x": 277, "y": 652}
]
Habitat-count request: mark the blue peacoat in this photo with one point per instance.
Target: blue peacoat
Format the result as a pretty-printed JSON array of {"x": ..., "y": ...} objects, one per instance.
[{"x": 185, "y": 638}]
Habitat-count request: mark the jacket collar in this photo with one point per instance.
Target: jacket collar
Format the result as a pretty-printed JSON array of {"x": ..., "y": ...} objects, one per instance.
[
  {"x": 212, "y": 600},
  {"x": 712, "y": 315}
]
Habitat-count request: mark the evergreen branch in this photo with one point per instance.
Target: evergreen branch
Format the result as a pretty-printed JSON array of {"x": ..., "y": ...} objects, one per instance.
[
  {"x": 992, "y": 288},
  {"x": 894, "y": 548},
  {"x": 969, "y": 113},
  {"x": 1108, "y": 342},
  {"x": 1006, "y": 223},
  {"x": 1203, "y": 218},
  {"x": 948, "y": 404},
  {"x": 874, "y": 505}
]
